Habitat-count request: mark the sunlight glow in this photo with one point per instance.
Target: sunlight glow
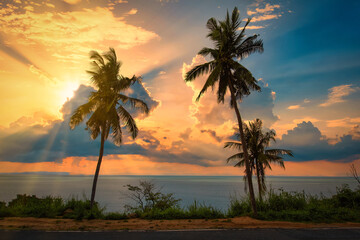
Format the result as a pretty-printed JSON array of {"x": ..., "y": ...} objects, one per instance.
[{"x": 66, "y": 91}]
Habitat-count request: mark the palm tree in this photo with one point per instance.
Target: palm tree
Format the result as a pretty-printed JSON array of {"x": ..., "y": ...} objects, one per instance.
[
  {"x": 106, "y": 105},
  {"x": 230, "y": 45},
  {"x": 260, "y": 157}
]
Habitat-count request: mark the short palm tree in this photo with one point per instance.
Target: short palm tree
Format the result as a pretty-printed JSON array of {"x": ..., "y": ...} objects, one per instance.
[
  {"x": 230, "y": 45},
  {"x": 106, "y": 105},
  {"x": 260, "y": 157}
]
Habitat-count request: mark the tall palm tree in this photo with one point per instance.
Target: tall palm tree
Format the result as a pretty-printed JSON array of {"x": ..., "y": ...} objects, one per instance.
[
  {"x": 230, "y": 45},
  {"x": 260, "y": 157},
  {"x": 106, "y": 105}
]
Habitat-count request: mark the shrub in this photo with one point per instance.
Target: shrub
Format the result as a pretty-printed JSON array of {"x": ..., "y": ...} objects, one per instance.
[
  {"x": 115, "y": 216},
  {"x": 31, "y": 206},
  {"x": 79, "y": 209},
  {"x": 148, "y": 197}
]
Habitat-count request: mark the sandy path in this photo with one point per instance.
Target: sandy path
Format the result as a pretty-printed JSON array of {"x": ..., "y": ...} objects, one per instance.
[{"x": 141, "y": 224}]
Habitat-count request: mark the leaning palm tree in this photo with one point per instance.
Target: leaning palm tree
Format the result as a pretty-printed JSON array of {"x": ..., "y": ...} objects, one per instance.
[
  {"x": 107, "y": 105},
  {"x": 230, "y": 45},
  {"x": 260, "y": 157}
]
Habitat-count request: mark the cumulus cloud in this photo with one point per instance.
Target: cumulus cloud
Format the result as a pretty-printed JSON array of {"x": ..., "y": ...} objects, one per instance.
[
  {"x": 53, "y": 140},
  {"x": 260, "y": 105},
  {"x": 212, "y": 133},
  {"x": 209, "y": 113},
  {"x": 337, "y": 94},
  {"x": 186, "y": 134},
  {"x": 307, "y": 143}
]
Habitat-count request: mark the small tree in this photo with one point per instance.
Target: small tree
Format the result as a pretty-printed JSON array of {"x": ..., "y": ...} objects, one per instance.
[
  {"x": 260, "y": 156},
  {"x": 148, "y": 197},
  {"x": 354, "y": 173}
]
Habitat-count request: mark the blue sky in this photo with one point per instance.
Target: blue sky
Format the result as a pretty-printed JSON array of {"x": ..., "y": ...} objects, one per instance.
[{"x": 309, "y": 73}]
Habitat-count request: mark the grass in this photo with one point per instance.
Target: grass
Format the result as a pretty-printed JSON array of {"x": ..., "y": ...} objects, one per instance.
[
  {"x": 281, "y": 205},
  {"x": 299, "y": 207}
]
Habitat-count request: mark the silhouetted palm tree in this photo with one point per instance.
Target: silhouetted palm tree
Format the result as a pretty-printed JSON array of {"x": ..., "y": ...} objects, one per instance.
[
  {"x": 260, "y": 157},
  {"x": 230, "y": 45},
  {"x": 106, "y": 105}
]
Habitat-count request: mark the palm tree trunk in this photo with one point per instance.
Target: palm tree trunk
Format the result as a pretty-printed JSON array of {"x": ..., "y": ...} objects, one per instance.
[
  {"x": 97, "y": 168},
  {"x": 244, "y": 146},
  {"x": 259, "y": 180}
]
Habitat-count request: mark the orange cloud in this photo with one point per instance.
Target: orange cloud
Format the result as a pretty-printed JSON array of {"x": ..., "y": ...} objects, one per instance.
[
  {"x": 140, "y": 165},
  {"x": 132, "y": 11},
  {"x": 292, "y": 107},
  {"x": 265, "y": 17},
  {"x": 268, "y": 8},
  {"x": 337, "y": 93},
  {"x": 72, "y": 1},
  {"x": 74, "y": 32}
]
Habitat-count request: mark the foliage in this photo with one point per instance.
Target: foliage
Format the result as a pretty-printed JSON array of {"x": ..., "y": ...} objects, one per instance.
[
  {"x": 115, "y": 216},
  {"x": 193, "y": 211},
  {"x": 79, "y": 209},
  {"x": 277, "y": 205},
  {"x": 50, "y": 207},
  {"x": 25, "y": 206},
  {"x": 148, "y": 197},
  {"x": 107, "y": 105},
  {"x": 297, "y": 206},
  {"x": 260, "y": 156}
]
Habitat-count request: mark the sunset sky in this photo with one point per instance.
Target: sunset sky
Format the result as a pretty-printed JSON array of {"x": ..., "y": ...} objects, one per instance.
[{"x": 309, "y": 73}]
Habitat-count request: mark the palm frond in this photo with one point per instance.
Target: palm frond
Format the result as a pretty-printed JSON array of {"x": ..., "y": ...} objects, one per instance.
[
  {"x": 80, "y": 113},
  {"x": 129, "y": 122},
  {"x": 233, "y": 145},
  {"x": 279, "y": 152},
  {"x": 238, "y": 157},
  {"x": 211, "y": 80},
  {"x": 114, "y": 122},
  {"x": 250, "y": 47},
  {"x": 134, "y": 103},
  {"x": 198, "y": 71}
]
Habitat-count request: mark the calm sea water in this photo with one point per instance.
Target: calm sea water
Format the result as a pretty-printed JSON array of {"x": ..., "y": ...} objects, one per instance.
[{"x": 212, "y": 190}]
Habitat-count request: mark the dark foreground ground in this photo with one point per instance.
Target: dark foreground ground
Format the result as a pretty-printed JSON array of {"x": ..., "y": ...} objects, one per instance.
[{"x": 243, "y": 234}]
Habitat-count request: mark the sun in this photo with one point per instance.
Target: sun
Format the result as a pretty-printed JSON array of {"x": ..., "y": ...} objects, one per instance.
[{"x": 66, "y": 90}]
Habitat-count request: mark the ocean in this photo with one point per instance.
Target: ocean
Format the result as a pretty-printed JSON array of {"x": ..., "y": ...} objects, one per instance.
[{"x": 112, "y": 193}]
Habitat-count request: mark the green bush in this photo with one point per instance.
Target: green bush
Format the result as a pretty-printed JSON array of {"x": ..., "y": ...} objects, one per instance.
[
  {"x": 281, "y": 205},
  {"x": 80, "y": 209},
  {"x": 239, "y": 207},
  {"x": 31, "y": 206},
  {"x": 115, "y": 216},
  {"x": 4, "y": 211},
  {"x": 194, "y": 211},
  {"x": 297, "y": 206}
]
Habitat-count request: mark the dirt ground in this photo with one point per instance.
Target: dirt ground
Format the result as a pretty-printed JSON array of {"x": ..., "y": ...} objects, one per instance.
[{"x": 141, "y": 224}]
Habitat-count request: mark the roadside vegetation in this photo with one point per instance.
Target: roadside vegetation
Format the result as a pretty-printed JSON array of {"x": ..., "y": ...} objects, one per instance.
[{"x": 151, "y": 203}]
